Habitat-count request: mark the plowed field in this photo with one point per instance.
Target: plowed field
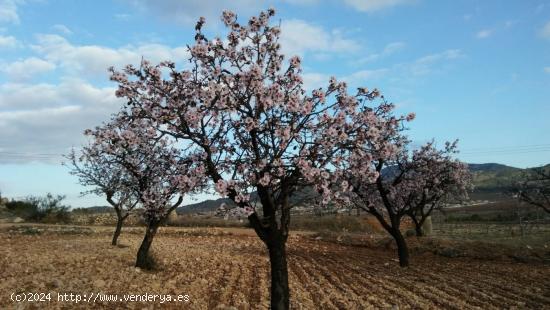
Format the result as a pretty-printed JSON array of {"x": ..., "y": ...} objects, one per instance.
[{"x": 227, "y": 269}]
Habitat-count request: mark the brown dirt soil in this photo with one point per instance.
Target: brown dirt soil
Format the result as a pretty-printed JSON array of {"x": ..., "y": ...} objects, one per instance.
[{"x": 228, "y": 269}]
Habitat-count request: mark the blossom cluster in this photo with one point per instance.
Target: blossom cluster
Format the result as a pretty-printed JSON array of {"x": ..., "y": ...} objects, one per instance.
[{"x": 156, "y": 171}]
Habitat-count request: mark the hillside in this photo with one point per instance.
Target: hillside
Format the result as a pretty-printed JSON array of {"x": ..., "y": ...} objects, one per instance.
[
  {"x": 204, "y": 206},
  {"x": 297, "y": 199},
  {"x": 491, "y": 181},
  {"x": 493, "y": 177}
]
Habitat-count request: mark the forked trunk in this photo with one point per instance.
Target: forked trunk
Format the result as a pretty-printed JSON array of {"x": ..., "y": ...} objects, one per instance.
[
  {"x": 280, "y": 295},
  {"x": 417, "y": 225},
  {"x": 144, "y": 261}
]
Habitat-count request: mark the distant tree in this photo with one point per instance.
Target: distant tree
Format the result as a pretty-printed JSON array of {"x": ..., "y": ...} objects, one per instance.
[
  {"x": 374, "y": 179},
  {"x": 22, "y": 208},
  {"x": 244, "y": 109},
  {"x": 388, "y": 180},
  {"x": 107, "y": 177},
  {"x": 436, "y": 178},
  {"x": 156, "y": 172},
  {"x": 48, "y": 208},
  {"x": 533, "y": 187}
]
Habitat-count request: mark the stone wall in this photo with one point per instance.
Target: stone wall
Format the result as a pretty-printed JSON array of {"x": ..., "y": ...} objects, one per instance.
[{"x": 103, "y": 219}]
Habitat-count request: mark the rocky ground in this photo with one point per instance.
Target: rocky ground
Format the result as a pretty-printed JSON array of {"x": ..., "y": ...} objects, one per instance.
[{"x": 228, "y": 268}]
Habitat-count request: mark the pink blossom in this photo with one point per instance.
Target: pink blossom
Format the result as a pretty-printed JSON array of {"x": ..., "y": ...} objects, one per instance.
[{"x": 221, "y": 187}]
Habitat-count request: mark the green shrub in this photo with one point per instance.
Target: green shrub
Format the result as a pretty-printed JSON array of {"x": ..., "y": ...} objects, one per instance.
[
  {"x": 23, "y": 209},
  {"x": 31, "y": 231},
  {"x": 47, "y": 209}
]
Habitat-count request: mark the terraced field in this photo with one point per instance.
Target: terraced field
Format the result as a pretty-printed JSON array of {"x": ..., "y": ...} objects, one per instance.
[{"x": 228, "y": 268}]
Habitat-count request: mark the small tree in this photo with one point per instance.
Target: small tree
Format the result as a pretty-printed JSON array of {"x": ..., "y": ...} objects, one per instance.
[
  {"x": 404, "y": 184},
  {"x": 48, "y": 208},
  {"x": 108, "y": 178},
  {"x": 245, "y": 110},
  {"x": 157, "y": 172},
  {"x": 436, "y": 179},
  {"x": 375, "y": 178},
  {"x": 534, "y": 188},
  {"x": 386, "y": 180}
]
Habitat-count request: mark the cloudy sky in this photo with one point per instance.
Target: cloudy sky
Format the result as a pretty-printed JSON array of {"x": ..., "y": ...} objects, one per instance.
[{"x": 474, "y": 70}]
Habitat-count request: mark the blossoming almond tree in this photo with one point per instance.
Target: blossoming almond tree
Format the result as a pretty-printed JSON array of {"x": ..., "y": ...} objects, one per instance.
[
  {"x": 108, "y": 178},
  {"x": 158, "y": 173},
  {"x": 243, "y": 107},
  {"x": 374, "y": 183},
  {"x": 436, "y": 178},
  {"x": 397, "y": 184}
]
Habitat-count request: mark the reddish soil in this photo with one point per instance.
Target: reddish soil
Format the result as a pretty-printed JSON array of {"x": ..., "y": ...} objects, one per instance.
[{"x": 227, "y": 269}]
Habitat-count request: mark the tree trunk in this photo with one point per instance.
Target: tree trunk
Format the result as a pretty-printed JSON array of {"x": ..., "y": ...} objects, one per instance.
[
  {"x": 143, "y": 259},
  {"x": 280, "y": 295},
  {"x": 119, "y": 221},
  {"x": 417, "y": 225},
  {"x": 418, "y": 229},
  {"x": 402, "y": 249}
]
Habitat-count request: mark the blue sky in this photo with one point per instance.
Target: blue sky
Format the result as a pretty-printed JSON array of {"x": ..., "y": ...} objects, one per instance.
[{"x": 478, "y": 71}]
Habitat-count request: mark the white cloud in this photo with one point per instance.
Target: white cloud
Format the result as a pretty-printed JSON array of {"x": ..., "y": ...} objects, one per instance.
[
  {"x": 95, "y": 59},
  {"x": 27, "y": 68},
  {"x": 485, "y": 33},
  {"x": 393, "y": 47},
  {"x": 510, "y": 23},
  {"x": 547, "y": 69},
  {"x": 50, "y": 118},
  {"x": 315, "y": 80},
  {"x": 189, "y": 11},
  {"x": 365, "y": 75},
  {"x": 35, "y": 114},
  {"x": 545, "y": 31},
  {"x": 8, "y": 42},
  {"x": 8, "y": 11},
  {"x": 359, "y": 78},
  {"x": 505, "y": 26},
  {"x": 425, "y": 65},
  {"x": 448, "y": 54},
  {"x": 62, "y": 29},
  {"x": 375, "y": 5},
  {"x": 302, "y": 2},
  {"x": 122, "y": 16},
  {"x": 299, "y": 37},
  {"x": 389, "y": 49}
]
